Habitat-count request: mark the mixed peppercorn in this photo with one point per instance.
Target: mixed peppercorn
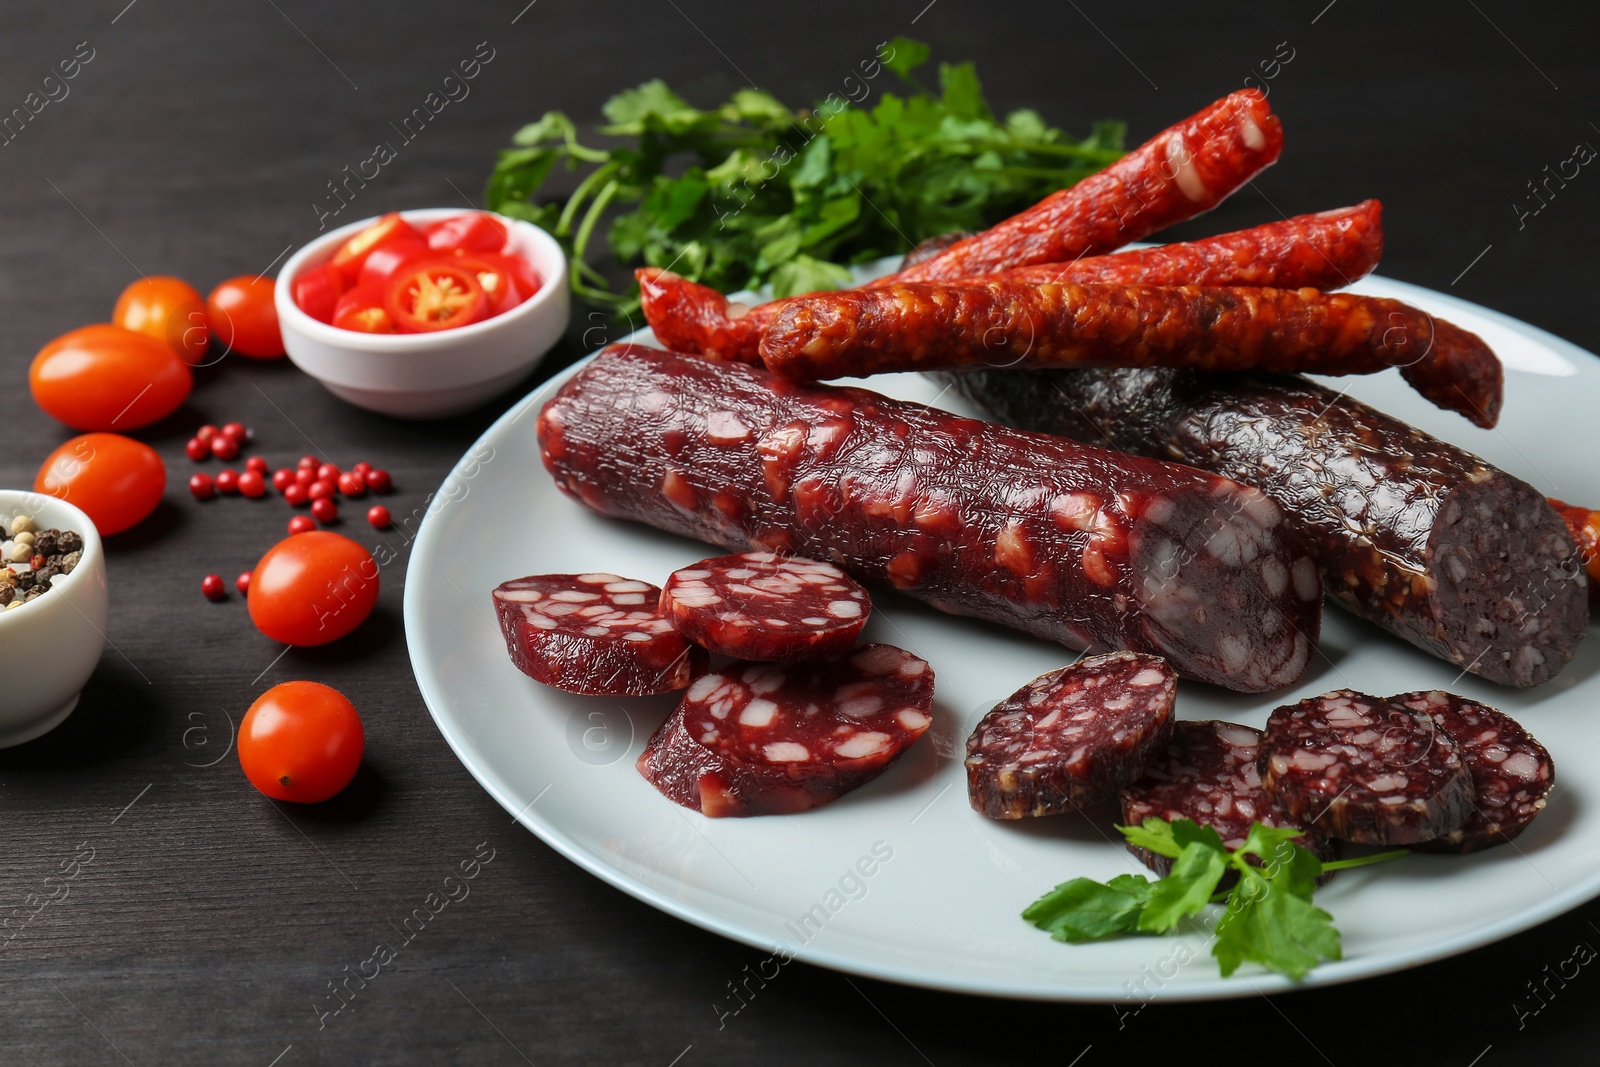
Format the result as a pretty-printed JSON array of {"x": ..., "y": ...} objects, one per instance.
[{"x": 33, "y": 557}]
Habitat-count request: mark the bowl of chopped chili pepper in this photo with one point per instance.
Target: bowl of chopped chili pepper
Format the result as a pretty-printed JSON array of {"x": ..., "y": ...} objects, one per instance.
[{"x": 423, "y": 314}]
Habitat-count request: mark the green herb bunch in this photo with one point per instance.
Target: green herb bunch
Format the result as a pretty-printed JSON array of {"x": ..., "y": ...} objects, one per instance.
[{"x": 752, "y": 192}]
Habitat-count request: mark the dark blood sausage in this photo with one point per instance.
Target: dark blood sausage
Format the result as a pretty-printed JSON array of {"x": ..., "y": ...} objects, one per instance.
[
  {"x": 1179, "y": 173},
  {"x": 1071, "y": 737},
  {"x": 1416, "y": 535},
  {"x": 1511, "y": 772},
  {"x": 1364, "y": 769},
  {"x": 1064, "y": 541},
  {"x": 595, "y": 634},
  {"x": 1328, "y": 250},
  {"x": 1322, "y": 251},
  {"x": 773, "y": 739},
  {"x": 1207, "y": 774},
  {"x": 759, "y": 605},
  {"x": 1584, "y": 525},
  {"x": 860, "y": 332}
]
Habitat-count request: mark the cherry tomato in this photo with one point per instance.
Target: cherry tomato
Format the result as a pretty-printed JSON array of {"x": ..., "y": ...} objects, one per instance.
[
  {"x": 353, "y": 253},
  {"x": 168, "y": 309},
  {"x": 116, "y": 480},
  {"x": 243, "y": 317},
  {"x": 318, "y": 290},
  {"x": 475, "y": 232},
  {"x": 106, "y": 377},
  {"x": 388, "y": 258},
  {"x": 436, "y": 294},
  {"x": 313, "y": 588},
  {"x": 301, "y": 741}
]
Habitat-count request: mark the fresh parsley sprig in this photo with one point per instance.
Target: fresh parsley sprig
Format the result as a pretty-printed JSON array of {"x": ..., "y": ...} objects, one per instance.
[
  {"x": 753, "y": 191},
  {"x": 1267, "y": 916}
]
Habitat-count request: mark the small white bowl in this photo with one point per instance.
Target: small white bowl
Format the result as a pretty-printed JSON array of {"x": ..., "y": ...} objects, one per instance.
[
  {"x": 49, "y": 647},
  {"x": 428, "y": 375}
]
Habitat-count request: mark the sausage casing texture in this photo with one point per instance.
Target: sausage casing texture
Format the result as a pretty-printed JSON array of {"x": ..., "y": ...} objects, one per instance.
[
  {"x": 860, "y": 332},
  {"x": 1421, "y": 537},
  {"x": 1584, "y": 525},
  {"x": 1068, "y": 542}
]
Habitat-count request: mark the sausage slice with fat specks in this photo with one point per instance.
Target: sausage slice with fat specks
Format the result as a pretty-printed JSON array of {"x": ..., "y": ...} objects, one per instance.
[{"x": 763, "y": 606}]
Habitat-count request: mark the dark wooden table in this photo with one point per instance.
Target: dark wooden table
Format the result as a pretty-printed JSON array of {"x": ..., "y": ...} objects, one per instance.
[{"x": 196, "y": 141}]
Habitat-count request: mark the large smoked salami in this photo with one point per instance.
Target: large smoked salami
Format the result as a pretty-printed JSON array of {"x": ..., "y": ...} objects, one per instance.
[
  {"x": 760, "y": 605},
  {"x": 595, "y": 634},
  {"x": 1512, "y": 774},
  {"x": 1366, "y": 770},
  {"x": 1071, "y": 737},
  {"x": 1416, "y": 535},
  {"x": 1065, "y": 541},
  {"x": 1208, "y": 775},
  {"x": 859, "y": 332},
  {"x": 773, "y": 739}
]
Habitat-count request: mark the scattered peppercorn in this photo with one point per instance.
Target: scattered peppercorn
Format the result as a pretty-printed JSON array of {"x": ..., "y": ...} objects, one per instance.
[
  {"x": 378, "y": 515},
  {"x": 242, "y": 583},
  {"x": 197, "y": 449},
  {"x": 251, "y": 483},
  {"x": 301, "y": 524},
  {"x": 378, "y": 481},
  {"x": 224, "y": 447},
  {"x": 202, "y": 485},
  {"x": 257, "y": 464},
  {"x": 325, "y": 510},
  {"x": 227, "y": 480},
  {"x": 211, "y": 586}
]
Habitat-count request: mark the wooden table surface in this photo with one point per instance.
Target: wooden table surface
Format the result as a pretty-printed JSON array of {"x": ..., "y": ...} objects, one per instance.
[{"x": 197, "y": 141}]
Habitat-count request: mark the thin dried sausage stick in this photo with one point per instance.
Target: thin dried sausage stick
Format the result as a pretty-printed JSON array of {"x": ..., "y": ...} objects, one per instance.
[
  {"x": 1365, "y": 770},
  {"x": 1414, "y": 534},
  {"x": 594, "y": 634},
  {"x": 1064, "y": 541},
  {"x": 1179, "y": 173},
  {"x": 1072, "y": 737},
  {"x": 774, "y": 739},
  {"x": 1323, "y": 251},
  {"x": 762, "y": 606},
  {"x": 861, "y": 332},
  {"x": 1584, "y": 524}
]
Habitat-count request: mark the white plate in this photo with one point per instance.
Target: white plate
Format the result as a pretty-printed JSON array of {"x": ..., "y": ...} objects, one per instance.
[{"x": 940, "y": 907}]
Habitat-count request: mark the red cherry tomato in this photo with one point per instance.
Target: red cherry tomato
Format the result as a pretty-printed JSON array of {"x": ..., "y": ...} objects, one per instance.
[
  {"x": 351, "y": 255},
  {"x": 318, "y": 290},
  {"x": 116, "y": 480},
  {"x": 313, "y": 588},
  {"x": 168, "y": 309},
  {"x": 435, "y": 294},
  {"x": 301, "y": 524},
  {"x": 475, "y": 232},
  {"x": 243, "y": 317},
  {"x": 106, "y": 377},
  {"x": 388, "y": 258},
  {"x": 301, "y": 741}
]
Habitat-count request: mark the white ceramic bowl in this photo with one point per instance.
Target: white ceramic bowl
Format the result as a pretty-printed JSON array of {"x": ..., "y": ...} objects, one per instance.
[
  {"x": 428, "y": 375},
  {"x": 49, "y": 647}
]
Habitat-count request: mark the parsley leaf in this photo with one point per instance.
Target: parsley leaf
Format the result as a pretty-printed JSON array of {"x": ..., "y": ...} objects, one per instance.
[{"x": 1268, "y": 917}]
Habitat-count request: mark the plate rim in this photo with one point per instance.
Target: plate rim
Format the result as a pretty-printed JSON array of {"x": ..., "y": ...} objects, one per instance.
[{"x": 1218, "y": 988}]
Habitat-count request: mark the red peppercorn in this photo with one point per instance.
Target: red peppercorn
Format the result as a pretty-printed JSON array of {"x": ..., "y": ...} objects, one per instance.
[
  {"x": 202, "y": 485},
  {"x": 352, "y": 484},
  {"x": 305, "y": 476},
  {"x": 322, "y": 488},
  {"x": 206, "y": 432},
  {"x": 235, "y": 431},
  {"x": 224, "y": 447},
  {"x": 363, "y": 468},
  {"x": 327, "y": 472},
  {"x": 251, "y": 483},
  {"x": 378, "y": 515},
  {"x": 378, "y": 480},
  {"x": 242, "y": 583},
  {"x": 282, "y": 478},
  {"x": 227, "y": 480},
  {"x": 197, "y": 449},
  {"x": 325, "y": 510},
  {"x": 309, "y": 463},
  {"x": 211, "y": 586},
  {"x": 301, "y": 524},
  {"x": 295, "y": 494},
  {"x": 257, "y": 464}
]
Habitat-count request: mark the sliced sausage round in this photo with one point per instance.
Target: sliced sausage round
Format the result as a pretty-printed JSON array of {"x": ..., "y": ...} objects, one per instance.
[
  {"x": 595, "y": 634},
  {"x": 1364, "y": 769},
  {"x": 763, "y": 606},
  {"x": 774, "y": 739},
  {"x": 1071, "y": 737},
  {"x": 1208, "y": 775},
  {"x": 1511, "y": 772}
]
